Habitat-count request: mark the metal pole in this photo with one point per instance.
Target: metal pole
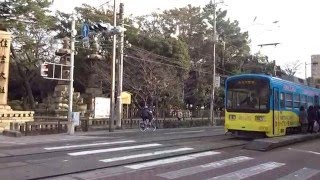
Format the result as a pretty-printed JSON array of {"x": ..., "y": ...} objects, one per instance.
[
  {"x": 274, "y": 68},
  {"x": 73, "y": 35},
  {"x": 305, "y": 70},
  {"x": 214, "y": 65},
  {"x": 120, "y": 68},
  {"x": 112, "y": 103}
]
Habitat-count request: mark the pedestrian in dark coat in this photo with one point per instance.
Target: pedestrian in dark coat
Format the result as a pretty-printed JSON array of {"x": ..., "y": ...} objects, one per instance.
[
  {"x": 317, "y": 110},
  {"x": 312, "y": 115},
  {"x": 303, "y": 118}
]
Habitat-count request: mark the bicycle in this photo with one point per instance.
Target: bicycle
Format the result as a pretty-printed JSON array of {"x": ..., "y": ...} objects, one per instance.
[{"x": 145, "y": 125}]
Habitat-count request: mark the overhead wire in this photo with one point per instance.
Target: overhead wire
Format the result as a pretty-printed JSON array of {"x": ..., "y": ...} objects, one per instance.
[
  {"x": 151, "y": 61},
  {"x": 168, "y": 59}
]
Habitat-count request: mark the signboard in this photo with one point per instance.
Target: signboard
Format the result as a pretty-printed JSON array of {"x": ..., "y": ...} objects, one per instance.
[
  {"x": 126, "y": 97},
  {"x": 101, "y": 107},
  {"x": 5, "y": 41},
  {"x": 76, "y": 118}
]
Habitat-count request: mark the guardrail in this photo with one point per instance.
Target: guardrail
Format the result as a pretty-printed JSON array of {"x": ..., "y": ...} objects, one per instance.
[{"x": 38, "y": 128}]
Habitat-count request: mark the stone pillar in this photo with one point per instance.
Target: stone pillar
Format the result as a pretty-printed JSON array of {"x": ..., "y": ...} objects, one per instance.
[
  {"x": 93, "y": 86},
  {"x": 5, "y": 41}
]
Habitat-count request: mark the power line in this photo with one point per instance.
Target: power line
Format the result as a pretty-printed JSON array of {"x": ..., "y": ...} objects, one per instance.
[
  {"x": 184, "y": 68},
  {"x": 170, "y": 60}
]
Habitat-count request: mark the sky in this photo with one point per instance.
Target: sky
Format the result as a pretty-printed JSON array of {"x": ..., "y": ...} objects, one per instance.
[{"x": 295, "y": 24}]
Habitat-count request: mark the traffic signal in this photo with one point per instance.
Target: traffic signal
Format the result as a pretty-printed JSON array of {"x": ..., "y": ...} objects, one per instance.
[
  {"x": 44, "y": 69},
  {"x": 106, "y": 28}
]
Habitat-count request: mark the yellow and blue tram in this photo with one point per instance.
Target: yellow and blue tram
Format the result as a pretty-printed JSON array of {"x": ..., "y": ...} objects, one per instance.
[{"x": 264, "y": 105}]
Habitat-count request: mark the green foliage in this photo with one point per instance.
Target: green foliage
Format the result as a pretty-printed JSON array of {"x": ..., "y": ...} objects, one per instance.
[
  {"x": 32, "y": 26},
  {"x": 158, "y": 69},
  {"x": 199, "y": 42}
]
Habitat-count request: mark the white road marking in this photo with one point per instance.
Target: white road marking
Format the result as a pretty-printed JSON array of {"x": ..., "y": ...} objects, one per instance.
[
  {"x": 302, "y": 174},
  {"x": 248, "y": 172},
  {"x": 145, "y": 155},
  {"x": 205, "y": 167},
  {"x": 4, "y": 142},
  {"x": 171, "y": 160},
  {"x": 88, "y": 145},
  {"x": 113, "y": 149},
  {"x": 305, "y": 151},
  {"x": 185, "y": 132}
]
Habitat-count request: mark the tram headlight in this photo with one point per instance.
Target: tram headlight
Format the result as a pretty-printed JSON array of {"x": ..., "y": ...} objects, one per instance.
[
  {"x": 232, "y": 117},
  {"x": 260, "y": 118}
]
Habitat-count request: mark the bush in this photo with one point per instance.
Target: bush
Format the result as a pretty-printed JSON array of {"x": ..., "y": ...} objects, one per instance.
[{"x": 185, "y": 124}]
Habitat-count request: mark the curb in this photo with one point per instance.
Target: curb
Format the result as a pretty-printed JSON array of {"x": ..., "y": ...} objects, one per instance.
[{"x": 272, "y": 143}]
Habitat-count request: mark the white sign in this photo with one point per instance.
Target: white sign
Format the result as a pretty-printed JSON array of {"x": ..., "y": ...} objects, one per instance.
[
  {"x": 76, "y": 118},
  {"x": 101, "y": 107},
  {"x": 217, "y": 84}
]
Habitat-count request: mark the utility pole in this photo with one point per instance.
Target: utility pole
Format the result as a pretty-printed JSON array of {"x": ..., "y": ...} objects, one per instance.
[
  {"x": 214, "y": 66},
  {"x": 73, "y": 35},
  {"x": 112, "y": 101},
  {"x": 120, "y": 68}
]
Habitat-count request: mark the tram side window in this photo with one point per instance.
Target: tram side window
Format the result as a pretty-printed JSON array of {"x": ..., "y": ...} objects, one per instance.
[
  {"x": 304, "y": 101},
  {"x": 296, "y": 101},
  {"x": 289, "y": 101},
  {"x": 310, "y": 101},
  {"x": 282, "y": 100}
]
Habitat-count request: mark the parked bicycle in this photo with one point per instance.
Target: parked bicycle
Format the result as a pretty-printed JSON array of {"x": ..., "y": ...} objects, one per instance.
[{"x": 145, "y": 125}]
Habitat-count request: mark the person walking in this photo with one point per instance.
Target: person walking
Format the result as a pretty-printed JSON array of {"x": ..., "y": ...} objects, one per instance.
[
  {"x": 303, "y": 118},
  {"x": 311, "y": 118},
  {"x": 317, "y": 111}
]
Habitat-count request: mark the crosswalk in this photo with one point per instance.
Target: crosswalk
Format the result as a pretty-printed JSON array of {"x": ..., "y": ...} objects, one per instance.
[{"x": 182, "y": 163}]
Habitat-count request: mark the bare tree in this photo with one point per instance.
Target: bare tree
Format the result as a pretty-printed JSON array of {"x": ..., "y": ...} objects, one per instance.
[{"x": 291, "y": 68}]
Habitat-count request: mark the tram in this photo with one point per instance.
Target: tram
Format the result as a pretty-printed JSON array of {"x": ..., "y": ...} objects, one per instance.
[{"x": 262, "y": 105}]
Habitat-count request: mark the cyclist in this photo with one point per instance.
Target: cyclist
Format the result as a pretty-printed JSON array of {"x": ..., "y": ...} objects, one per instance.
[{"x": 146, "y": 113}]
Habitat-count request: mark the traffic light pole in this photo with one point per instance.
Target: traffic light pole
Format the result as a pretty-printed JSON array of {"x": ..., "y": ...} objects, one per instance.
[
  {"x": 120, "y": 69},
  {"x": 73, "y": 34},
  {"x": 112, "y": 101}
]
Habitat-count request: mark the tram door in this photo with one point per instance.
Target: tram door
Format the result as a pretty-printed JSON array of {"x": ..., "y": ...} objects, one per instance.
[{"x": 276, "y": 111}]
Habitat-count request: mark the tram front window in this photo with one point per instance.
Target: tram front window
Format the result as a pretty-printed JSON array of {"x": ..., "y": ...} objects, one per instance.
[{"x": 248, "y": 95}]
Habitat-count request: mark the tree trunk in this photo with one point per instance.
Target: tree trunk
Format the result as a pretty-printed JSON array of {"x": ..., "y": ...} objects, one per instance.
[
  {"x": 27, "y": 87},
  {"x": 26, "y": 83}
]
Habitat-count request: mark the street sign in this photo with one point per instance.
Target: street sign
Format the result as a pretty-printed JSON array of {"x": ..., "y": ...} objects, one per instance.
[
  {"x": 217, "y": 83},
  {"x": 76, "y": 118},
  {"x": 85, "y": 30}
]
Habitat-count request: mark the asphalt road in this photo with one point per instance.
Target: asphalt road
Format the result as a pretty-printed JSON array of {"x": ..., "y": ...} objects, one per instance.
[
  {"x": 59, "y": 156},
  {"x": 195, "y": 153},
  {"x": 295, "y": 162}
]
